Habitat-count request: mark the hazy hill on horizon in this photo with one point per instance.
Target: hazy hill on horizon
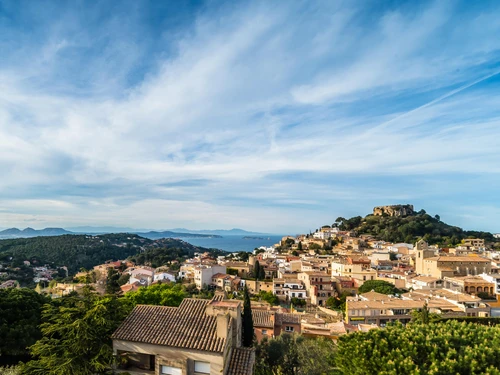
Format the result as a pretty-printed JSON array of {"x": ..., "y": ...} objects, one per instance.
[{"x": 152, "y": 234}]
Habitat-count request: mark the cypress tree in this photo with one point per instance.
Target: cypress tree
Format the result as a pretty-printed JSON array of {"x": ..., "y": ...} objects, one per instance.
[
  {"x": 247, "y": 319},
  {"x": 256, "y": 270},
  {"x": 425, "y": 314},
  {"x": 262, "y": 273}
]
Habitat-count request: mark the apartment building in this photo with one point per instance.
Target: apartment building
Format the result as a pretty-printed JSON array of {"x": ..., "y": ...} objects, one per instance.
[
  {"x": 319, "y": 286},
  {"x": 360, "y": 270},
  {"x": 286, "y": 289},
  {"x": 379, "y": 309},
  {"x": 203, "y": 274}
]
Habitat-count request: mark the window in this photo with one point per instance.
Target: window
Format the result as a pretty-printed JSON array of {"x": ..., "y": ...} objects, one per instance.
[
  {"x": 202, "y": 367},
  {"x": 288, "y": 328},
  {"x": 264, "y": 331},
  {"x": 169, "y": 370}
]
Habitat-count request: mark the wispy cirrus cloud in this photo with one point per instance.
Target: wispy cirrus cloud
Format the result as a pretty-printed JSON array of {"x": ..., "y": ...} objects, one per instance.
[{"x": 252, "y": 114}]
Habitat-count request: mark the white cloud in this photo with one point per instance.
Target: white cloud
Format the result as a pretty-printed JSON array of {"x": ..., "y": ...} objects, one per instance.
[{"x": 247, "y": 94}]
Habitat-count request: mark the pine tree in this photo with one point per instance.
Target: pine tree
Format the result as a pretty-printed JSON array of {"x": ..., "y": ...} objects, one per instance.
[
  {"x": 112, "y": 285},
  {"x": 247, "y": 319}
]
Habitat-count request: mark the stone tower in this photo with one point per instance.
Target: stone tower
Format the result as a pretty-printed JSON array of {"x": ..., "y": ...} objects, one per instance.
[{"x": 422, "y": 252}]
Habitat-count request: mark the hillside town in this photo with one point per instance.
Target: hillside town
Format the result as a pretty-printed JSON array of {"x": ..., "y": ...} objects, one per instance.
[
  {"x": 311, "y": 283},
  {"x": 324, "y": 284}
]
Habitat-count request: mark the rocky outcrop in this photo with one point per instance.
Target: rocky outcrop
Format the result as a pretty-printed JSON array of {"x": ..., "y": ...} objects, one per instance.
[{"x": 394, "y": 210}]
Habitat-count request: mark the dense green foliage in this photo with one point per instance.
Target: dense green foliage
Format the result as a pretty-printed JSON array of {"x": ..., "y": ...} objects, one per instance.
[
  {"x": 298, "y": 302},
  {"x": 410, "y": 228},
  {"x": 258, "y": 271},
  {"x": 14, "y": 370},
  {"x": 77, "y": 336},
  {"x": 73, "y": 251},
  {"x": 267, "y": 297},
  {"x": 20, "y": 317},
  {"x": 83, "y": 251},
  {"x": 487, "y": 321},
  {"x": 247, "y": 319},
  {"x": 379, "y": 286},
  {"x": 337, "y": 302},
  {"x": 437, "y": 348},
  {"x": 167, "y": 250},
  {"x": 295, "y": 355},
  {"x": 112, "y": 285},
  {"x": 167, "y": 294}
]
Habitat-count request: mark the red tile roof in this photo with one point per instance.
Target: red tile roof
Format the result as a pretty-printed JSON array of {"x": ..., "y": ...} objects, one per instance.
[
  {"x": 242, "y": 361},
  {"x": 262, "y": 318},
  {"x": 186, "y": 326}
]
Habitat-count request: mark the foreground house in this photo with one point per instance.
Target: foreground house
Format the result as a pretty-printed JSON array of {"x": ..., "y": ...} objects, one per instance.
[{"x": 198, "y": 337}]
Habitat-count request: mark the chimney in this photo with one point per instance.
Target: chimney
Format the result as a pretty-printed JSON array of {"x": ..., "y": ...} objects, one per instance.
[{"x": 222, "y": 325}]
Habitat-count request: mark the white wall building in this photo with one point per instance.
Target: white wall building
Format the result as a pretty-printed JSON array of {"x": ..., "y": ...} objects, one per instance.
[
  {"x": 164, "y": 276},
  {"x": 203, "y": 274}
]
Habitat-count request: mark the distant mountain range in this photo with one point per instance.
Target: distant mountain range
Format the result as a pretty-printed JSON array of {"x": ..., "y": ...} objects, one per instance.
[
  {"x": 173, "y": 233},
  {"x": 30, "y": 232}
]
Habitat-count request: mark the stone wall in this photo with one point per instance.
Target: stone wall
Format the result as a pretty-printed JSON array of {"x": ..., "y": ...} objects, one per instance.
[{"x": 394, "y": 210}]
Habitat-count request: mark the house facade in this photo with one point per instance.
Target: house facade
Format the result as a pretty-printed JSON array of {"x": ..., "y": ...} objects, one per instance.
[{"x": 198, "y": 337}]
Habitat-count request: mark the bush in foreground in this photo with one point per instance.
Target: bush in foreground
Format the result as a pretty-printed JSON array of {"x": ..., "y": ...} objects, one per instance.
[{"x": 445, "y": 348}]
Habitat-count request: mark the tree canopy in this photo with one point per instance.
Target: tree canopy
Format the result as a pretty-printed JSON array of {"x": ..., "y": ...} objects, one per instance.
[
  {"x": 295, "y": 355},
  {"x": 443, "y": 348},
  {"x": 410, "y": 228},
  {"x": 268, "y": 297},
  {"x": 20, "y": 317},
  {"x": 167, "y": 294},
  {"x": 379, "y": 286},
  {"x": 77, "y": 336}
]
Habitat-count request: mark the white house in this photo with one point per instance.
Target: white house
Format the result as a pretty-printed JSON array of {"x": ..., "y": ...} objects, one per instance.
[
  {"x": 164, "y": 276},
  {"x": 203, "y": 274}
]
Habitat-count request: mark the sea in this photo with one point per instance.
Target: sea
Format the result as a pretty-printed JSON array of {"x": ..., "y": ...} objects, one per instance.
[{"x": 235, "y": 243}]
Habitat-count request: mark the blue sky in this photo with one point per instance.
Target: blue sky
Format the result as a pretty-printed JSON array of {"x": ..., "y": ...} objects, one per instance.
[{"x": 271, "y": 116}]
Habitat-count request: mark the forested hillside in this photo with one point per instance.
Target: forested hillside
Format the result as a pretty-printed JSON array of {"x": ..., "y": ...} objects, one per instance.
[
  {"x": 166, "y": 250},
  {"x": 85, "y": 251},
  {"x": 410, "y": 228}
]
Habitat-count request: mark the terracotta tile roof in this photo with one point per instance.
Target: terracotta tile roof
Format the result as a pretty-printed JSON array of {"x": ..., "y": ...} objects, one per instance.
[
  {"x": 374, "y": 296},
  {"x": 288, "y": 318},
  {"x": 262, "y": 318},
  {"x": 466, "y": 259},
  {"x": 242, "y": 361},
  {"x": 130, "y": 287},
  {"x": 186, "y": 326}
]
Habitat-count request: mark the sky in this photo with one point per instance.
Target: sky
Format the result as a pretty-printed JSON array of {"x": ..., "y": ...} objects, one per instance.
[{"x": 272, "y": 116}]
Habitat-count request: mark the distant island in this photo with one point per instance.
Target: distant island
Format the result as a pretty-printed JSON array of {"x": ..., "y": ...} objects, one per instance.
[
  {"x": 153, "y": 235},
  {"x": 13, "y": 233}
]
